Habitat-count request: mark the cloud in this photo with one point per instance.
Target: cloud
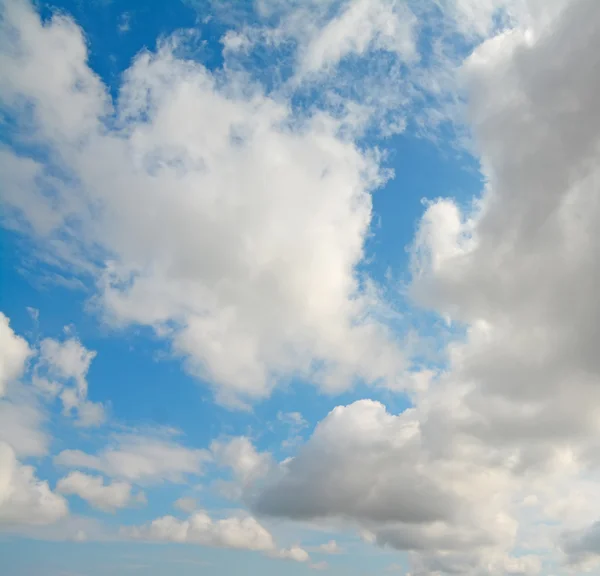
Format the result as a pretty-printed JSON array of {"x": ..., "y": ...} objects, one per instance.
[
  {"x": 582, "y": 547},
  {"x": 519, "y": 270},
  {"x": 23, "y": 498},
  {"x": 239, "y": 454},
  {"x": 246, "y": 465},
  {"x": 294, "y": 553},
  {"x": 60, "y": 364},
  {"x": 241, "y": 533},
  {"x": 360, "y": 26},
  {"x": 255, "y": 280},
  {"x": 139, "y": 459},
  {"x": 22, "y": 424},
  {"x": 294, "y": 420},
  {"x": 14, "y": 352},
  {"x": 22, "y": 417},
  {"x": 186, "y": 505},
  {"x": 330, "y": 547},
  {"x": 372, "y": 468},
  {"x": 285, "y": 198},
  {"x": 92, "y": 489}
]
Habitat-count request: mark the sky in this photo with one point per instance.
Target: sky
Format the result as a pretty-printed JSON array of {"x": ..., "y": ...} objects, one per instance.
[{"x": 299, "y": 286}]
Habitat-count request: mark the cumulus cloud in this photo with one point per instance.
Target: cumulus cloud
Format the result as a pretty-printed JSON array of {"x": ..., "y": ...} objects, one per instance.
[
  {"x": 14, "y": 352},
  {"x": 240, "y": 455},
  {"x": 373, "y": 469},
  {"x": 286, "y": 198},
  {"x": 23, "y": 498},
  {"x": 92, "y": 489},
  {"x": 22, "y": 424},
  {"x": 360, "y": 26},
  {"x": 21, "y": 415},
  {"x": 186, "y": 504},
  {"x": 139, "y": 459},
  {"x": 241, "y": 533},
  {"x": 331, "y": 547},
  {"x": 257, "y": 279},
  {"x": 505, "y": 437},
  {"x": 519, "y": 270},
  {"x": 62, "y": 364},
  {"x": 294, "y": 553}
]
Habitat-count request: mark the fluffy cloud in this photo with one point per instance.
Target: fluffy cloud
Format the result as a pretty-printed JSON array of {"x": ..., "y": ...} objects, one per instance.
[
  {"x": 14, "y": 352},
  {"x": 23, "y": 498},
  {"x": 294, "y": 553},
  {"x": 21, "y": 424},
  {"x": 331, "y": 547},
  {"x": 235, "y": 532},
  {"x": 21, "y": 415},
  {"x": 140, "y": 459},
  {"x": 186, "y": 505},
  {"x": 246, "y": 465},
  {"x": 257, "y": 279},
  {"x": 92, "y": 489},
  {"x": 375, "y": 470},
  {"x": 360, "y": 26},
  {"x": 63, "y": 363},
  {"x": 505, "y": 439},
  {"x": 242, "y": 458},
  {"x": 520, "y": 270},
  {"x": 267, "y": 218}
]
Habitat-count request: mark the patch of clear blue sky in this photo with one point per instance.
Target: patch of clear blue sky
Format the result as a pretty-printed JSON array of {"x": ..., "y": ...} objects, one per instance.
[{"x": 133, "y": 372}]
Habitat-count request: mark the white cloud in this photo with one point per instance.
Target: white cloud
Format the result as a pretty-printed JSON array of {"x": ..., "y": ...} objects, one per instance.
[
  {"x": 186, "y": 505},
  {"x": 256, "y": 279},
  {"x": 247, "y": 466},
  {"x": 241, "y": 533},
  {"x": 330, "y": 547},
  {"x": 519, "y": 270},
  {"x": 61, "y": 364},
  {"x": 266, "y": 219},
  {"x": 293, "y": 419},
  {"x": 21, "y": 424},
  {"x": 242, "y": 458},
  {"x": 362, "y": 25},
  {"x": 139, "y": 459},
  {"x": 21, "y": 416},
  {"x": 375, "y": 470},
  {"x": 23, "y": 498},
  {"x": 14, "y": 352},
  {"x": 92, "y": 489},
  {"x": 294, "y": 553}
]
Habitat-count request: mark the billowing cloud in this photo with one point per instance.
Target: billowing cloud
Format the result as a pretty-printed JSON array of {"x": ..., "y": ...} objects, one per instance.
[
  {"x": 242, "y": 533},
  {"x": 267, "y": 218},
  {"x": 21, "y": 415},
  {"x": 23, "y": 498},
  {"x": 64, "y": 366},
  {"x": 360, "y": 26},
  {"x": 186, "y": 504},
  {"x": 14, "y": 352},
  {"x": 140, "y": 459},
  {"x": 240, "y": 455},
  {"x": 255, "y": 279},
  {"x": 22, "y": 424},
  {"x": 108, "y": 497},
  {"x": 374, "y": 469},
  {"x": 331, "y": 547}
]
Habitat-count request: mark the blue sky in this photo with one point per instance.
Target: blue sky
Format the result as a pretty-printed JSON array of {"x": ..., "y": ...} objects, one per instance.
[{"x": 284, "y": 288}]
